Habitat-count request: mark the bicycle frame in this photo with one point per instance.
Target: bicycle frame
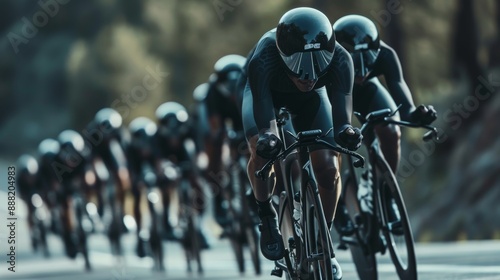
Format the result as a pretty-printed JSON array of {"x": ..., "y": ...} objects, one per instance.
[{"x": 301, "y": 235}]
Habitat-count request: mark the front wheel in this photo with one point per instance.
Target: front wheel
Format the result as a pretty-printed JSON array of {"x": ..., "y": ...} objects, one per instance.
[
  {"x": 363, "y": 257},
  {"x": 396, "y": 226},
  {"x": 319, "y": 243}
]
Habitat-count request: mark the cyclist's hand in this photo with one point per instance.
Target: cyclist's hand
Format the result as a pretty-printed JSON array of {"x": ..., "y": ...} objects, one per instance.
[
  {"x": 423, "y": 114},
  {"x": 268, "y": 145},
  {"x": 350, "y": 138}
]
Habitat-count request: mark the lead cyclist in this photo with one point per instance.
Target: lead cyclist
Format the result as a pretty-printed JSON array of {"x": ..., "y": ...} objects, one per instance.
[{"x": 298, "y": 65}]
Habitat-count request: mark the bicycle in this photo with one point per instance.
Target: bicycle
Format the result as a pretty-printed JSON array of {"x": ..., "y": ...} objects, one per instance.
[
  {"x": 377, "y": 227},
  {"x": 189, "y": 220},
  {"x": 153, "y": 238},
  {"x": 242, "y": 229},
  {"x": 308, "y": 243}
]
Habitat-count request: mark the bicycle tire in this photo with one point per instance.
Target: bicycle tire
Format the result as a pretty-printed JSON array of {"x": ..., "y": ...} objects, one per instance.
[
  {"x": 318, "y": 247},
  {"x": 364, "y": 259},
  {"x": 81, "y": 233},
  {"x": 155, "y": 238},
  {"x": 251, "y": 234},
  {"x": 400, "y": 244},
  {"x": 235, "y": 228},
  {"x": 236, "y": 243},
  {"x": 192, "y": 233}
]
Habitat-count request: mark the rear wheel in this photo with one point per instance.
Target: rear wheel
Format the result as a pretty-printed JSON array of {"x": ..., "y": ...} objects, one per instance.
[{"x": 396, "y": 226}]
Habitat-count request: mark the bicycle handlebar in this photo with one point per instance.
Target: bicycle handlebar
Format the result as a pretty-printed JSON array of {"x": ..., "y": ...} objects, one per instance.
[
  {"x": 306, "y": 139},
  {"x": 384, "y": 116}
]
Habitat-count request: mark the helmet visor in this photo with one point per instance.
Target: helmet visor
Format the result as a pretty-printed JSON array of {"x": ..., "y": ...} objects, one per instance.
[
  {"x": 364, "y": 61},
  {"x": 308, "y": 65}
]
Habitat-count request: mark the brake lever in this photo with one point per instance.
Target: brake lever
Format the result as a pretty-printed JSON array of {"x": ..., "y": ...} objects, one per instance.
[{"x": 431, "y": 134}]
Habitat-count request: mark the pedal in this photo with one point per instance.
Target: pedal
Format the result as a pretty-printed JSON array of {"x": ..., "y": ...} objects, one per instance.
[{"x": 278, "y": 272}]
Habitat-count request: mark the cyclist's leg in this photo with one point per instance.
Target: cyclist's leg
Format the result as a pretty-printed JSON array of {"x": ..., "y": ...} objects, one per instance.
[
  {"x": 317, "y": 114},
  {"x": 325, "y": 163},
  {"x": 214, "y": 172},
  {"x": 388, "y": 135},
  {"x": 271, "y": 242}
]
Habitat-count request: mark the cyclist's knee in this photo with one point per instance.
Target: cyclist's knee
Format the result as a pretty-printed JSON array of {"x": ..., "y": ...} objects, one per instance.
[
  {"x": 388, "y": 133},
  {"x": 255, "y": 160},
  {"x": 326, "y": 167}
]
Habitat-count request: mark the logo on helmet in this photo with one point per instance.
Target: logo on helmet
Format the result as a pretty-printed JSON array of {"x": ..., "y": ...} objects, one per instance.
[{"x": 312, "y": 46}]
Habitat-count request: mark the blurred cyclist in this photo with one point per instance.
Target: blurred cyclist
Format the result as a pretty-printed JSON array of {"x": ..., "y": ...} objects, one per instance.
[
  {"x": 373, "y": 58},
  {"x": 141, "y": 155},
  {"x": 299, "y": 66},
  {"x": 176, "y": 142},
  {"x": 49, "y": 183},
  {"x": 108, "y": 138},
  {"x": 222, "y": 98},
  {"x": 76, "y": 177},
  {"x": 27, "y": 183}
]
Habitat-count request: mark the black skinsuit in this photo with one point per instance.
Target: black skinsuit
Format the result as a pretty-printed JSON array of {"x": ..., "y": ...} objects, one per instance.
[
  {"x": 268, "y": 88},
  {"x": 371, "y": 95}
]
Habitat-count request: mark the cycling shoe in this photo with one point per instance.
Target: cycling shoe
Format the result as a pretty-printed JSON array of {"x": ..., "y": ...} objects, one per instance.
[
  {"x": 271, "y": 242},
  {"x": 342, "y": 221}
]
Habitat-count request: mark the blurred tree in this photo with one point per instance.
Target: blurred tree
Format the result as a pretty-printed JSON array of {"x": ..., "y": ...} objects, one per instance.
[
  {"x": 494, "y": 53},
  {"x": 465, "y": 42}
]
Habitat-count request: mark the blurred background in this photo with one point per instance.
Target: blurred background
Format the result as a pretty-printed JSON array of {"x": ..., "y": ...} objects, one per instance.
[{"x": 62, "y": 61}]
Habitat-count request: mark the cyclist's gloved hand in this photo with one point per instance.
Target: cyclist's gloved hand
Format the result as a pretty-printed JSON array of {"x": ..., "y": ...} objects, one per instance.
[
  {"x": 268, "y": 145},
  {"x": 423, "y": 114},
  {"x": 350, "y": 138}
]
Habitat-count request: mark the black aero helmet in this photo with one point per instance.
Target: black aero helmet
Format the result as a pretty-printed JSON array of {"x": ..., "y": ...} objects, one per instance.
[
  {"x": 48, "y": 149},
  {"x": 142, "y": 128},
  {"x": 200, "y": 92},
  {"x": 172, "y": 118},
  {"x": 108, "y": 120},
  {"x": 27, "y": 164},
  {"x": 142, "y": 131},
  {"x": 359, "y": 36},
  {"x": 306, "y": 42},
  {"x": 71, "y": 141}
]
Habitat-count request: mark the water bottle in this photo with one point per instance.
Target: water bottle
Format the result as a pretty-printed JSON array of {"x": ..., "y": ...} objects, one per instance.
[{"x": 297, "y": 207}]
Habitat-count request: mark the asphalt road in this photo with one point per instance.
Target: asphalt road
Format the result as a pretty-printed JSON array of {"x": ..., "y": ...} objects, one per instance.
[{"x": 465, "y": 260}]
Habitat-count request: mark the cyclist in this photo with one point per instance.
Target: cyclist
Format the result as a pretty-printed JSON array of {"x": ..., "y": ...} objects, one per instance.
[
  {"x": 373, "y": 58},
  {"x": 298, "y": 65},
  {"x": 222, "y": 100},
  {"x": 27, "y": 182},
  {"x": 74, "y": 158},
  {"x": 140, "y": 154},
  {"x": 108, "y": 139},
  {"x": 49, "y": 184},
  {"x": 176, "y": 142}
]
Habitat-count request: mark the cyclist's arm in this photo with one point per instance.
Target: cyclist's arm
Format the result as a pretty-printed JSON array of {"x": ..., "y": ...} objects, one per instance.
[
  {"x": 341, "y": 76},
  {"x": 260, "y": 69},
  {"x": 393, "y": 73}
]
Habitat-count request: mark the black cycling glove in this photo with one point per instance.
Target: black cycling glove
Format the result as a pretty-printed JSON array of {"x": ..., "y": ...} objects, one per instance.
[
  {"x": 268, "y": 145},
  {"x": 423, "y": 114},
  {"x": 350, "y": 138}
]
